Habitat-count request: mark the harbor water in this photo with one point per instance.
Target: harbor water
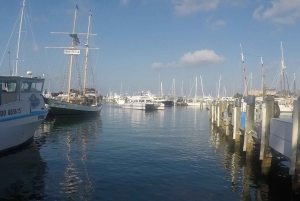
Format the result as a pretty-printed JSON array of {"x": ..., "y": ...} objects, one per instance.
[{"x": 124, "y": 154}]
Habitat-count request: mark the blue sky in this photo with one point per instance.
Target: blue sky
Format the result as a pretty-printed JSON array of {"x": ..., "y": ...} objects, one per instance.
[{"x": 142, "y": 40}]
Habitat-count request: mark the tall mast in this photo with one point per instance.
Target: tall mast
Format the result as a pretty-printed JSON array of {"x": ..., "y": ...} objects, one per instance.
[
  {"x": 74, "y": 43},
  {"x": 264, "y": 78},
  {"x": 19, "y": 38},
  {"x": 196, "y": 90},
  {"x": 245, "y": 77},
  {"x": 219, "y": 87},
  {"x": 86, "y": 53},
  {"x": 282, "y": 80},
  {"x": 294, "y": 85},
  {"x": 202, "y": 86}
]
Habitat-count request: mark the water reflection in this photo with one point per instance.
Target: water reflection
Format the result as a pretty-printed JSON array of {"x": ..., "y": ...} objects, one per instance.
[
  {"x": 22, "y": 174},
  {"x": 72, "y": 137},
  {"x": 245, "y": 171}
]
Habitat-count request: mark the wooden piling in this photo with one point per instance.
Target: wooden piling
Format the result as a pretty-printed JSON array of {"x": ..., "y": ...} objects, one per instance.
[
  {"x": 219, "y": 109},
  {"x": 265, "y": 153},
  {"x": 237, "y": 120},
  {"x": 295, "y": 157},
  {"x": 249, "y": 127}
]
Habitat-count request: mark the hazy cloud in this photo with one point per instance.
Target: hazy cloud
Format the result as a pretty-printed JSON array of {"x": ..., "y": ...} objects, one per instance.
[
  {"x": 125, "y": 2},
  {"x": 215, "y": 24},
  {"x": 157, "y": 65},
  {"x": 198, "y": 58},
  {"x": 186, "y": 7},
  {"x": 280, "y": 12}
]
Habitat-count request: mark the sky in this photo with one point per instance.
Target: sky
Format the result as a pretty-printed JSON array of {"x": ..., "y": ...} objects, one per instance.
[{"x": 143, "y": 43}]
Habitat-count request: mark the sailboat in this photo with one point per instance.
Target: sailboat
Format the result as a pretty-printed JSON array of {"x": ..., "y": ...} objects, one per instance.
[
  {"x": 194, "y": 101},
  {"x": 22, "y": 107},
  {"x": 84, "y": 101},
  {"x": 285, "y": 103}
]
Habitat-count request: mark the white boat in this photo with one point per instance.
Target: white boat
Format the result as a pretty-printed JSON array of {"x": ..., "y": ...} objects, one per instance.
[
  {"x": 141, "y": 101},
  {"x": 85, "y": 101},
  {"x": 22, "y": 107}
]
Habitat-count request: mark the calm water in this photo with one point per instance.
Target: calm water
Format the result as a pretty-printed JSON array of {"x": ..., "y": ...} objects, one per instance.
[{"x": 137, "y": 155}]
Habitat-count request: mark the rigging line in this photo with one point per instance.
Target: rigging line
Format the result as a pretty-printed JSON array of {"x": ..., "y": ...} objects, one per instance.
[
  {"x": 34, "y": 41},
  {"x": 5, "y": 50}
]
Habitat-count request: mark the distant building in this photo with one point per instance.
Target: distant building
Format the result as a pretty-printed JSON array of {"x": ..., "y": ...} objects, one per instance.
[{"x": 260, "y": 92}]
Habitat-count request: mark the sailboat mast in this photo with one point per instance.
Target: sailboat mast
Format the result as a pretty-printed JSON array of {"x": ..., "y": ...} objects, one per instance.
[
  {"x": 196, "y": 90},
  {"x": 71, "y": 55},
  {"x": 19, "y": 38},
  {"x": 264, "y": 78},
  {"x": 202, "y": 86},
  {"x": 245, "y": 77},
  {"x": 282, "y": 80},
  {"x": 86, "y": 53}
]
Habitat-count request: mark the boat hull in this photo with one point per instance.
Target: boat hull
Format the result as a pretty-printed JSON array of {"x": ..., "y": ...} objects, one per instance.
[
  {"x": 62, "y": 108},
  {"x": 18, "y": 129},
  {"x": 168, "y": 103},
  {"x": 142, "y": 106}
]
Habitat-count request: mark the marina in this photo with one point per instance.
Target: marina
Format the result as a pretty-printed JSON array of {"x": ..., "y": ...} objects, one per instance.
[
  {"x": 88, "y": 118},
  {"x": 129, "y": 155}
]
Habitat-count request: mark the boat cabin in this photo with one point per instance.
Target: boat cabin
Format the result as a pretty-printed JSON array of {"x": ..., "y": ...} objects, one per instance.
[{"x": 17, "y": 88}]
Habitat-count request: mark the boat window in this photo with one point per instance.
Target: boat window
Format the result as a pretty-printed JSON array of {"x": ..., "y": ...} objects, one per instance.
[
  {"x": 9, "y": 86},
  {"x": 29, "y": 86}
]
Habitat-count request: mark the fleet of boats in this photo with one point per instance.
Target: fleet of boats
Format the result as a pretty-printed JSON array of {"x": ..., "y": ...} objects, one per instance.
[{"x": 23, "y": 106}]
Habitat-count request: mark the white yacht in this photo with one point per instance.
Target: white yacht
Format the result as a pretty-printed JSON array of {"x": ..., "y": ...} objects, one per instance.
[
  {"x": 22, "y": 109},
  {"x": 141, "y": 101}
]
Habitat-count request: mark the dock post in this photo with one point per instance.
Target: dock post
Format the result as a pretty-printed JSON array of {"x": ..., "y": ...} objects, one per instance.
[
  {"x": 213, "y": 111},
  {"x": 219, "y": 107},
  {"x": 224, "y": 115},
  {"x": 228, "y": 120},
  {"x": 0, "y": 94},
  {"x": 210, "y": 110},
  {"x": 249, "y": 127},
  {"x": 237, "y": 119},
  {"x": 268, "y": 112},
  {"x": 295, "y": 156}
]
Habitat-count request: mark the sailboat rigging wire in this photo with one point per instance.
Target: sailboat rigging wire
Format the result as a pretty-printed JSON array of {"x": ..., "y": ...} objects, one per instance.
[{"x": 5, "y": 50}]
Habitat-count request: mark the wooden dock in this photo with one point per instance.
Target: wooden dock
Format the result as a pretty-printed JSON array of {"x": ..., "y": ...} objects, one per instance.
[{"x": 248, "y": 123}]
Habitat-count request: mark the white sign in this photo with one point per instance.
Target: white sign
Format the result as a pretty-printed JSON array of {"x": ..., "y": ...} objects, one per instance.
[{"x": 71, "y": 51}]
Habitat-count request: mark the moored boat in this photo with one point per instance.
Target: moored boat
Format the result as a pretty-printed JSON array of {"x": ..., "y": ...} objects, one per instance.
[
  {"x": 141, "y": 101},
  {"x": 22, "y": 110},
  {"x": 22, "y": 107},
  {"x": 85, "y": 101}
]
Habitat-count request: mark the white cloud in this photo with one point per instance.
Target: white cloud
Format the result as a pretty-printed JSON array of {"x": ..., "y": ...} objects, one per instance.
[
  {"x": 186, "y": 7},
  {"x": 198, "y": 58},
  {"x": 280, "y": 12},
  {"x": 125, "y": 2},
  {"x": 201, "y": 57}
]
